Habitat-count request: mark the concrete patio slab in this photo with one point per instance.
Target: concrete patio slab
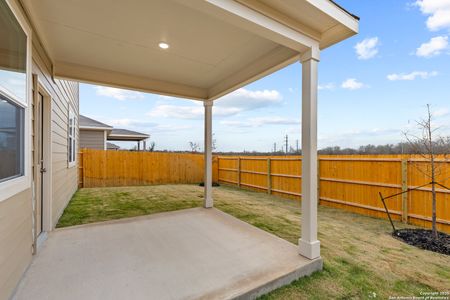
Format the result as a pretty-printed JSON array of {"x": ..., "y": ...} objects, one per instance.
[{"x": 188, "y": 254}]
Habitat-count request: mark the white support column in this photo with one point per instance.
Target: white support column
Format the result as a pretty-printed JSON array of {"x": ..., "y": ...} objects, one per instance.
[
  {"x": 309, "y": 246},
  {"x": 208, "y": 201}
]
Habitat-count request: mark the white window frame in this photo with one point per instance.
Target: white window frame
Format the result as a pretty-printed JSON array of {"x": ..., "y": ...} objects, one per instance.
[
  {"x": 19, "y": 184},
  {"x": 71, "y": 138}
]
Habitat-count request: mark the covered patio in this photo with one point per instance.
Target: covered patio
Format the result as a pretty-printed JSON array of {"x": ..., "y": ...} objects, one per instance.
[
  {"x": 215, "y": 256},
  {"x": 199, "y": 50}
]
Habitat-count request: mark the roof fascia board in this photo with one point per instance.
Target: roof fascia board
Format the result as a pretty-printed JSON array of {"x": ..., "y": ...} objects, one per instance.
[
  {"x": 96, "y": 128},
  {"x": 127, "y": 136},
  {"x": 281, "y": 18},
  {"x": 336, "y": 13}
]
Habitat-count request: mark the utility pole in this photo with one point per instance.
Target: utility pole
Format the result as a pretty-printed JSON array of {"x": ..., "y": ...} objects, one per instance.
[
  {"x": 274, "y": 147},
  {"x": 296, "y": 143},
  {"x": 286, "y": 143}
]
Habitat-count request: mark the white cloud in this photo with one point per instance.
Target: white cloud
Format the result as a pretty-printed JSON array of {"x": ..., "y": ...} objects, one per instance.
[
  {"x": 411, "y": 76},
  {"x": 248, "y": 100},
  {"x": 170, "y": 128},
  {"x": 327, "y": 86},
  {"x": 438, "y": 11},
  {"x": 145, "y": 126},
  {"x": 367, "y": 48},
  {"x": 239, "y": 101},
  {"x": 441, "y": 112},
  {"x": 177, "y": 111},
  {"x": 352, "y": 84},
  {"x": 129, "y": 123},
  {"x": 358, "y": 137},
  {"x": 433, "y": 47},
  {"x": 118, "y": 94},
  {"x": 261, "y": 121}
]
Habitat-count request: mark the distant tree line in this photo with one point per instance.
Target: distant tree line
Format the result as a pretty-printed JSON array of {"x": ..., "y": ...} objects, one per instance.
[{"x": 441, "y": 146}]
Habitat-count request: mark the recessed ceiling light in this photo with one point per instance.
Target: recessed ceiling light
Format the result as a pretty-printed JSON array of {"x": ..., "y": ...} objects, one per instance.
[{"x": 163, "y": 45}]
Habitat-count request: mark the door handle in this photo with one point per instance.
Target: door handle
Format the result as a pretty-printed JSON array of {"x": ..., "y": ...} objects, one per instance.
[{"x": 43, "y": 170}]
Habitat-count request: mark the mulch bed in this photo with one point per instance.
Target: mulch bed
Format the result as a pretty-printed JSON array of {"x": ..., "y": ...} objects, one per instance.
[{"x": 424, "y": 239}]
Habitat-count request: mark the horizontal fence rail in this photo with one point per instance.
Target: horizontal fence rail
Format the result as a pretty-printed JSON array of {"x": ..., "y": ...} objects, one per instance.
[{"x": 350, "y": 182}]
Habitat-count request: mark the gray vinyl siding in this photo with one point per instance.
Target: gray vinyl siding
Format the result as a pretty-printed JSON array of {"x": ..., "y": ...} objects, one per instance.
[
  {"x": 92, "y": 139},
  {"x": 65, "y": 96},
  {"x": 15, "y": 240}
]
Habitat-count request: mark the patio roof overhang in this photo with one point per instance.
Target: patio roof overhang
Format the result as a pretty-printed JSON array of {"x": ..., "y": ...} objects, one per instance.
[{"x": 216, "y": 46}]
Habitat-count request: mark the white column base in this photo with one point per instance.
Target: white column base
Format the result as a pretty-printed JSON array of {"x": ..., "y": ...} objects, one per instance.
[
  {"x": 309, "y": 250},
  {"x": 208, "y": 203}
]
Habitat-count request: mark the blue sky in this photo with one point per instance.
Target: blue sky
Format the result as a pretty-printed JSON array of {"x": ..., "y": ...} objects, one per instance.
[{"x": 371, "y": 88}]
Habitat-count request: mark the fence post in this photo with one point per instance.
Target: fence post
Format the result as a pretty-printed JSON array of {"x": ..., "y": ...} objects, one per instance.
[
  {"x": 239, "y": 172},
  {"x": 269, "y": 177},
  {"x": 215, "y": 169},
  {"x": 318, "y": 180},
  {"x": 83, "y": 163},
  {"x": 404, "y": 189}
]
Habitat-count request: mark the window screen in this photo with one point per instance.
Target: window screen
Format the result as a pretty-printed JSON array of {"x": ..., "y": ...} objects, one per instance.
[{"x": 11, "y": 139}]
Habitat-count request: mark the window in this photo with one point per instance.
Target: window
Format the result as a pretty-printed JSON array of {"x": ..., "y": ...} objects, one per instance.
[
  {"x": 13, "y": 96},
  {"x": 13, "y": 59},
  {"x": 71, "y": 140}
]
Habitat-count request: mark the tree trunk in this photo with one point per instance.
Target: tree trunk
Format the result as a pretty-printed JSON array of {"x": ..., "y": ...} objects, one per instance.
[
  {"x": 433, "y": 193},
  {"x": 433, "y": 174}
]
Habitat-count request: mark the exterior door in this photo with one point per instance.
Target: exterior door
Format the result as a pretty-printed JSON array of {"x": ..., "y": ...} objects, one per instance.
[{"x": 39, "y": 164}]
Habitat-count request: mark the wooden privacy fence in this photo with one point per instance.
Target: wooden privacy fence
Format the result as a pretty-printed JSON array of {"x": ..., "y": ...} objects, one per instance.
[
  {"x": 349, "y": 182},
  {"x": 100, "y": 168}
]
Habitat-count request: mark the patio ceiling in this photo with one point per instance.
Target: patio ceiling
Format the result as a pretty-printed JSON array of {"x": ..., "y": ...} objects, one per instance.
[{"x": 216, "y": 46}]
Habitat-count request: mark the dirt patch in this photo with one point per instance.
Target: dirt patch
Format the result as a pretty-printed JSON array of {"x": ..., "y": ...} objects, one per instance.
[
  {"x": 424, "y": 239},
  {"x": 213, "y": 184}
]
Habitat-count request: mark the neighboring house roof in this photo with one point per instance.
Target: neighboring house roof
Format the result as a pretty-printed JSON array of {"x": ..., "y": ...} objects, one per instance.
[
  {"x": 114, "y": 134},
  {"x": 111, "y": 146},
  {"x": 88, "y": 123},
  {"x": 118, "y": 134}
]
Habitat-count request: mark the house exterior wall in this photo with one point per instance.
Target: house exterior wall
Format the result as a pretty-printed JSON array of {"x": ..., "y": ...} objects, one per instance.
[
  {"x": 64, "y": 97},
  {"x": 15, "y": 240},
  {"x": 16, "y": 212},
  {"x": 92, "y": 139}
]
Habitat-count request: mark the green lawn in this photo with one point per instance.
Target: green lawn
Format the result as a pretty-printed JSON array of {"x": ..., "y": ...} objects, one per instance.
[{"x": 361, "y": 259}]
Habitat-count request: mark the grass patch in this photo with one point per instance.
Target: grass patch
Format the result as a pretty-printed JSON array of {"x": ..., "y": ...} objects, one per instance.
[
  {"x": 361, "y": 259},
  {"x": 103, "y": 204}
]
